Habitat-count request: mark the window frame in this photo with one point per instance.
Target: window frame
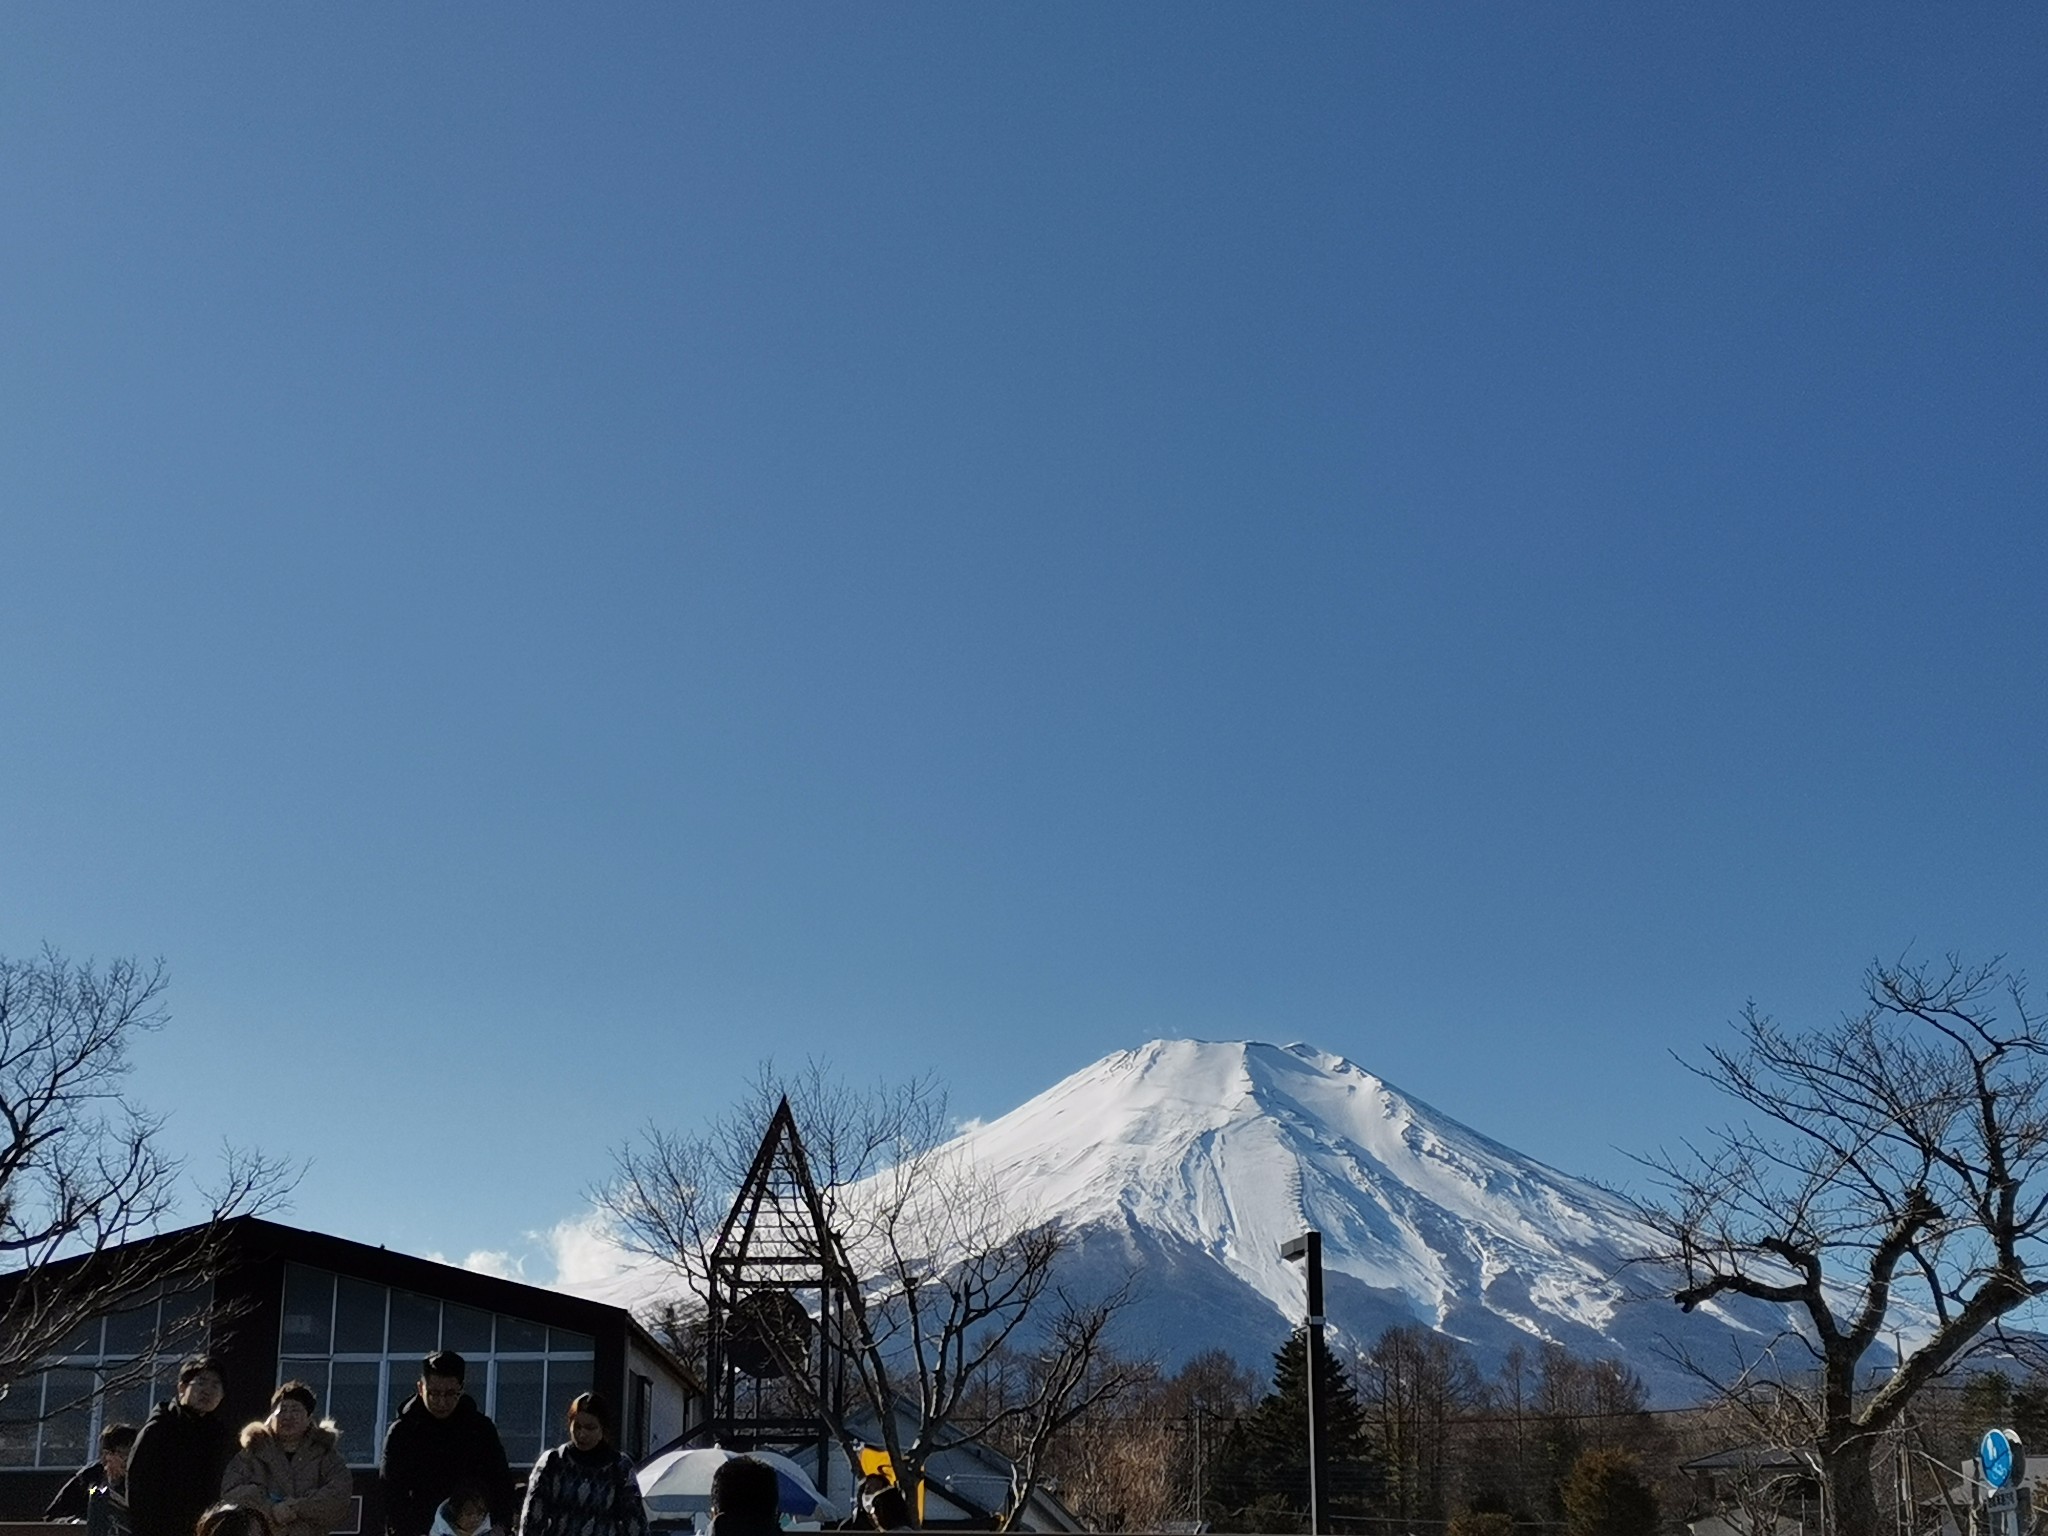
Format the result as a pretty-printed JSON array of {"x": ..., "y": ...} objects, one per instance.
[{"x": 398, "y": 1372}]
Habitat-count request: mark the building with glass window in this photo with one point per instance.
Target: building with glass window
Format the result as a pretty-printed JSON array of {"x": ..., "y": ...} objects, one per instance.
[{"x": 351, "y": 1321}]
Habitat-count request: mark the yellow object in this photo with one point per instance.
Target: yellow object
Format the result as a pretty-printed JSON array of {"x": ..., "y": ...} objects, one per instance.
[{"x": 873, "y": 1460}]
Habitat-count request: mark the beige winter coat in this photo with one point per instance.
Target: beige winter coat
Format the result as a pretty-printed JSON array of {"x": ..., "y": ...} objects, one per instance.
[{"x": 315, "y": 1480}]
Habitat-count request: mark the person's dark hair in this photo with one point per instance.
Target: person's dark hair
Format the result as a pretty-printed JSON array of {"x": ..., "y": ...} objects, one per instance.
[
  {"x": 889, "y": 1509},
  {"x": 296, "y": 1392},
  {"x": 593, "y": 1403},
  {"x": 465, "y": 1496},
  {"x": 116, "y": 1437},
  {"x": 194, "y": 1365},
  {"x": 745, "y": 1489},
  {"x": 234, "y": 1520},
  {"x": 445, "y": 1362}
]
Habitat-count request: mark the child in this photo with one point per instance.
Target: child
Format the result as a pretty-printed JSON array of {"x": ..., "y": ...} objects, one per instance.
[{"x": 463, "y": 1513}]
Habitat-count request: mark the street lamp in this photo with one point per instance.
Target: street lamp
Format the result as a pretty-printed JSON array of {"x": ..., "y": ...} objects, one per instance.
[{"x": 1309, "y": 1248}]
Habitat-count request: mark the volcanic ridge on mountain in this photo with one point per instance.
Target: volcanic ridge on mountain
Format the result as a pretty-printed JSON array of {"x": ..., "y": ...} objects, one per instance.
[{"x": 1195, "y": 1160}]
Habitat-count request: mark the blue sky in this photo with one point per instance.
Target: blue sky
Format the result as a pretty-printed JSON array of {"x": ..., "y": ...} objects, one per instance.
[{"x": 548, "y": 557}]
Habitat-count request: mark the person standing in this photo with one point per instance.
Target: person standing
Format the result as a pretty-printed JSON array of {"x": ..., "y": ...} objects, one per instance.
[
  {"x": 105, "y": 1480},
  {"x": 439, "y": 1443},
  {"x": 106, "y": 1507},
  {"x": 584, "y": 1487},
  {"x": 175, "y": 1465},
  {"x": 882, "y": 1502},
  {"x": 746, "y": 1499},
  {"x": 290, "y": 1468}
]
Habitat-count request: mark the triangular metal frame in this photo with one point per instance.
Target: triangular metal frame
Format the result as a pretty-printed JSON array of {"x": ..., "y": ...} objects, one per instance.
[{"x": 776, "y": 1240}]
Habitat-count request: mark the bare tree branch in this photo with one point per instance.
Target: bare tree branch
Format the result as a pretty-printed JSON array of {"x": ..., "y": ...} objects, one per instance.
[
  {"x": 943, "y": 1278},
  {"x": 83, "y": 1172},
  {"x": 1893, "y": 1162}
]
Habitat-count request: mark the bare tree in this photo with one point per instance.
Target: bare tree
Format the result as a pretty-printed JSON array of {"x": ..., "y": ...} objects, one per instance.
[
  {"x": 1126, "y": 1471},
  {"x": 83, "y": 1170},
  {"x": 1143, "y": 1461},
  {"x": 1032, "y": 1396},
  {"x": 1413, "y": 1383},
  {"x": 1889, "y": 1175},
  {"x": 938, "y": 1270},
  {"x": 1763, "y": 1493}
]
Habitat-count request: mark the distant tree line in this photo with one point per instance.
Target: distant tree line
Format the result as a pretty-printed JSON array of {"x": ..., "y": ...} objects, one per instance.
[
  {"x": 1418, "y": 1440},
  {"x": 1414, "y": 1438}
]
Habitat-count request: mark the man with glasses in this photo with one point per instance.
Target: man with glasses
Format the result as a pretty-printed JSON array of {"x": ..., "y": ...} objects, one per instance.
[
  {"x": 440, "y": 1442},
  {"x": 175, "y": 1465}
]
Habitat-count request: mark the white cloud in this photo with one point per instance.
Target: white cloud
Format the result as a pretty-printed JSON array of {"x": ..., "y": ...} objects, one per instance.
[
  {"x": 496, "y": 1261},
  {"x": 580, "y": 1255},
  {"x": 586, "y": 1252}
]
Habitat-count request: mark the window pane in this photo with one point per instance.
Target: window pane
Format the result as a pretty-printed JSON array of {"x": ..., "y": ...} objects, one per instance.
[
  {"x": 308, "y": 1311},
  {"x": 312, "y": 1372},
  {"x": 562, "y": 1342},
  {"x": 20, "y": 1410},
  {"x": 352, "y": 1404},
  {"x": 520, "y": 1410},
  {"x": 403, "y": 1382},
  {"x": 127, "y": 1399},
  {"x": 132, "y": 1332},
  {"x": 165, "y": 1387},
  {"x": 415, "y": 1323},
  {"x": 184, "y": 1322},
  {"x": 465, "y": 1329},
  {"x": 518, "y": 1337},
  {"x": 84, "y": 1342},
  {"x": 358, "y": 1317},
  {"x": 67, "y": 1417},
  {"x": 566, "y": 1378}
]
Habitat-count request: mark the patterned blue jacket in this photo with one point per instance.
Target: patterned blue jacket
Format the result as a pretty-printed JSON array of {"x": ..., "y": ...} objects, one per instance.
[{"x": 583, "y": 1493}]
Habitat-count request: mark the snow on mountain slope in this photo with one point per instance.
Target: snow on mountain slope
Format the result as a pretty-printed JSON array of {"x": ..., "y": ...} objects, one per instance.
[
  {"x": 1195, "y": 1160},
  {"x": 1192, "y": 1161}
]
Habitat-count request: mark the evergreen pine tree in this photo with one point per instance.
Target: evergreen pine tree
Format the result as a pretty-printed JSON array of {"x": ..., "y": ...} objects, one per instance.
[
  {"x": 1605, "y": 1495},
  {"x": 1261, "y": 1475}
]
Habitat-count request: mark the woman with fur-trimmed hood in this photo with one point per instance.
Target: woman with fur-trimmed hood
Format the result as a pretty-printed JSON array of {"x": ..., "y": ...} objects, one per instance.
[{"x": 290, "y": 1469}]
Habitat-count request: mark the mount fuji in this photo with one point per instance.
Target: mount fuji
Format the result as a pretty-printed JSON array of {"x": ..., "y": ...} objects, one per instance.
[{"x": 1192, "y": 1161}]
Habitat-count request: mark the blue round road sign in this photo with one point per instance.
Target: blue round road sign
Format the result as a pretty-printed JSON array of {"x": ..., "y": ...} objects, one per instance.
[{"x": 2001, "y": 1457}]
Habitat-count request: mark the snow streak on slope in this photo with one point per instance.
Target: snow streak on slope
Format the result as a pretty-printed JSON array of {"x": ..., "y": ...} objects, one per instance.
[
  {"x": 1192, "y": 1161},
  {"x": 1196, "y": 1160}
]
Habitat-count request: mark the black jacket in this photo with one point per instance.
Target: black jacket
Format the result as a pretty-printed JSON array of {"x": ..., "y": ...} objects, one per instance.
[
  {"x": 106, "y": 1512},
  {"x": 426, "y": 1459},
  {"x": 174, "y": 1469},
  {"x": 70, "y": 1503}
]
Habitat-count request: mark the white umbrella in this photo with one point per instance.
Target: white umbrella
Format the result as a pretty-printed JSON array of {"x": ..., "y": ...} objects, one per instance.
[{"x": 679, "y": 1483}]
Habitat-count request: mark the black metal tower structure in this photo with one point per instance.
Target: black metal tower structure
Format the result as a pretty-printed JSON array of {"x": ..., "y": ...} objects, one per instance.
[{"x": 773, "y": 1363}]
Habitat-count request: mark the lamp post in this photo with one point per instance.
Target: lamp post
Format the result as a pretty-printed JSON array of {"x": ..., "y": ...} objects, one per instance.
[{"x": 1309, "y": 1249}]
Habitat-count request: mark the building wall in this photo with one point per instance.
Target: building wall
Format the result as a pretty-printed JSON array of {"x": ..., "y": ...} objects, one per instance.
[
  {"x": 670, "y": 1405},
  {"x": 353, "y": 1322},
  {"x": 358, "y": 1343}
]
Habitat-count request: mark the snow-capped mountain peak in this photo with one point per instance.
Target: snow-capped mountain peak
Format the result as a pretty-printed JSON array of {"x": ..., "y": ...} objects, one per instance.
[
  {"x": 1192, "y": 1161},
  {"x": 1195, "y": 1160}
]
